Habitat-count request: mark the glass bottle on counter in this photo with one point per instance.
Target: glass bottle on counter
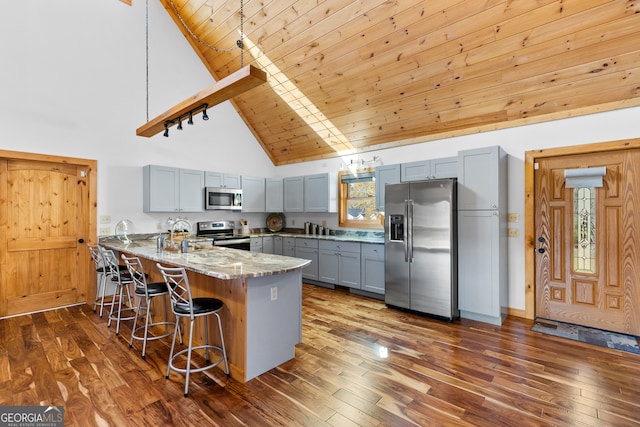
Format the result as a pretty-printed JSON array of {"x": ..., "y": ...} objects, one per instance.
[{"x": 185, "y": 245}]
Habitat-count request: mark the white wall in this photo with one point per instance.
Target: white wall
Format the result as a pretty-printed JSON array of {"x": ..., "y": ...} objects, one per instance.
[{"x": 72, "y": 83}]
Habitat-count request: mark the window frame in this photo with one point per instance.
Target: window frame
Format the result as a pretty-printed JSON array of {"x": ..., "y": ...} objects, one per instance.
[{"x": 343, "y": 197}]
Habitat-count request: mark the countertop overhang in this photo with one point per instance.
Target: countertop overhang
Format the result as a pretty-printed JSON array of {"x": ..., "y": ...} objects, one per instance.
[{"x": 222, "y": 263}]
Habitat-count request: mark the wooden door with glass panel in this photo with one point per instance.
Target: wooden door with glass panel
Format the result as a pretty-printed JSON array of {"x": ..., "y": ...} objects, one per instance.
[{"x": 587, "y": 241}]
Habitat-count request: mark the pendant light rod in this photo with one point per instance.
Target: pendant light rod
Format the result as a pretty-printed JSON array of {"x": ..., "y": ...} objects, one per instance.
[{"x": 234, "y": 84}]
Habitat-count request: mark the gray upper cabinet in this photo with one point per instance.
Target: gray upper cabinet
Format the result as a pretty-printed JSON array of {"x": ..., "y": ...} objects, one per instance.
[
  {"x": 446, "y": 167},
  {"x": 167, "y": 189},
  {"x": 274, "y": 197},
  {"x": 293, "y": 194},
  {"x": 321, "y": 193},
  {"x": 482, "y": 180},
  {"x": 218, "y": 179},
  {"x": 253, "y": 194},
  {"x": 387, "y": 174}
]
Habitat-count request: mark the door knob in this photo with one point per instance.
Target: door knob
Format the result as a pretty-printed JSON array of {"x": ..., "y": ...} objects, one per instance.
[
  {"x": 81, "y": 240},
  {"x": 541, "y": 250}
]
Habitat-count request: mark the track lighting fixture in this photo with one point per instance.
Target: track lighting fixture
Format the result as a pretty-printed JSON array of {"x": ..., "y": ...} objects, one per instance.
[{"x": 188, "y": 115}]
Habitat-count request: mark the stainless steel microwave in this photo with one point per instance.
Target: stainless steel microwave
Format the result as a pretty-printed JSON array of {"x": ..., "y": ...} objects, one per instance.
[{"x": 222, "y": 198}]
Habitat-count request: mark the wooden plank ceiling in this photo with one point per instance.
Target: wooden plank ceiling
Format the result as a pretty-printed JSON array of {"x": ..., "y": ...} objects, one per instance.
[{"x": 349, "y": 76}]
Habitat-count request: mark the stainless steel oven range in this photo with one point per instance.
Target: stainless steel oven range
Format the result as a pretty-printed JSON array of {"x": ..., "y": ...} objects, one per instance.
[{"x": 222, "y": 234}]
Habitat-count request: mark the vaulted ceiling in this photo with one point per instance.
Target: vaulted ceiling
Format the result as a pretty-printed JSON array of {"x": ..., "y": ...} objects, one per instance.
[{"x": 346, "y": 76}]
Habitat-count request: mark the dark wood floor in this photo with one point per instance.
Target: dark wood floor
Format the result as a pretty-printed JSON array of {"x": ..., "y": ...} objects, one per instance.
[{"x": 436, "y": 373}]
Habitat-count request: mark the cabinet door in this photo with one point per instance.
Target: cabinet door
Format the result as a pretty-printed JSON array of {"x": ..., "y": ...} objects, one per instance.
[
  {"x": 219, "y": 179},
  {"x": 289, "y": 246},
  {"x": 320, "y": 193},
  {"x": 267, "y": 244},
  {"x": 293, "y": 194},
  {"x": 478, "y": 262},
  {"x": 389, "y": 174},
  {"x": 277, "y": 245},
  {"x": 328, "y": 266},
  {"x": 161, "y": 189},
  {"x": 415, "y": 171},
  {"x": 253, "y": 194},
  {"x": 232, "y": 181},
  {"x": 191, "y": 190},
  {"x": 256, "y": 244},
  {"x": 446, "y": 167},
  {"x": 311, "y": 270},
  {"x": 479, "y": 179},
  {"x": 274, "y": 197},
  {"x": 213, "y": 179},
  {"x": 372, "y": 262},
  {"x": 349, "y": 268}
]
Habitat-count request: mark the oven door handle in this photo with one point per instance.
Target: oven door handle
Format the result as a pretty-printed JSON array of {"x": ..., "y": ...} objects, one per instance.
[{"x": 228, "y": 242}]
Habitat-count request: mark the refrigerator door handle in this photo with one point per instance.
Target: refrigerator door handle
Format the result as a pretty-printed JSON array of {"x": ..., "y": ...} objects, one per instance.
[
  {"x": 409, "y": 230},
  {"x": 404, "y": 231}
]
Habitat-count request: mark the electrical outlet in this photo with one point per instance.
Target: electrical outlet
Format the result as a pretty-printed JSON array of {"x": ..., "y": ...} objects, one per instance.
[
  {"x": 274, "y": 293},
  {"x": 293, "y": 221},
  {"x": 512, "y": 217},
  {"x": 513, "y": 232},
  {"x": 324, "y": 224},
  {"x": 105, "y": 219},
  {"x": 105, "y": 231},
  {"x": 159, "y": 226}
]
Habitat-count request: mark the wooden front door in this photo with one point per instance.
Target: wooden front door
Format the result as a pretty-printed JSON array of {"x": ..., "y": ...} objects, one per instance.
[
  {"x": 44, "y": 221},
  {"x": 588, "y": 241}
]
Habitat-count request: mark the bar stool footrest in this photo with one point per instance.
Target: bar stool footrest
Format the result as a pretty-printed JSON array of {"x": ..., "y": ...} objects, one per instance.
[{"x": 202, "y": 368}]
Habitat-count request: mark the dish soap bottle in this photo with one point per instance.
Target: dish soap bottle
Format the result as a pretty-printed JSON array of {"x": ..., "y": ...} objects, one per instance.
[{"x": 185, "y": 245}]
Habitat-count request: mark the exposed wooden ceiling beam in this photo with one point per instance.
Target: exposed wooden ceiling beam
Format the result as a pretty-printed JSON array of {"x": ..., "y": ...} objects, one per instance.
[{"x": 234, "y": 84}]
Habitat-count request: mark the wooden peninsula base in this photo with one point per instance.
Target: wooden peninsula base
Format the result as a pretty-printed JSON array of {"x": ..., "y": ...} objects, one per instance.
[{"x": 262, "y": 293}]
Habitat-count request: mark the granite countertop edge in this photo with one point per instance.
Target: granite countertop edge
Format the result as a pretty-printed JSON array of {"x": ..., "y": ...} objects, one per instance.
[{"x": 218, "y": 262}]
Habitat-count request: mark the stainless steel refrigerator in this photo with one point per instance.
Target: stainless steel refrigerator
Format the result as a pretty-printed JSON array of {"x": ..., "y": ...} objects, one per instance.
[{"x": 420, "y": 256}]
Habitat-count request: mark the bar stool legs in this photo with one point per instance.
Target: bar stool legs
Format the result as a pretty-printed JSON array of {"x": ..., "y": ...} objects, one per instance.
[
  {"x": 145, "y": 293},
  {"x": 184, "y": 305}
]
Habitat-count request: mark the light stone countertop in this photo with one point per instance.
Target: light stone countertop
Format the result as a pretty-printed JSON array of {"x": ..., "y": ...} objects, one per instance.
[
  {"x": 342, "y": 237},
  {"x": 219, "y": 262}
]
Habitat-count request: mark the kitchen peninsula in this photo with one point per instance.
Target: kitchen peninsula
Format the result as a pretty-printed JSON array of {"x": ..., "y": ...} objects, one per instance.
[{"x": 262, "y": 293}]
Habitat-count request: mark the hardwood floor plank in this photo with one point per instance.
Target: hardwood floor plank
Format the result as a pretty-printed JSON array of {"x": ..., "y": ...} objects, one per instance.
[{"x": 359, "y": 364}]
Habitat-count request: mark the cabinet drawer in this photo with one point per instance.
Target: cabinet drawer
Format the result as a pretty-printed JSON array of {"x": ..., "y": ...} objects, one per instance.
[
  {"x": 307, "y": 243},
  {"x": 373, "y": 251},
  {"x": 337, "y": 246},
  {"x": 288, "y": 241}
]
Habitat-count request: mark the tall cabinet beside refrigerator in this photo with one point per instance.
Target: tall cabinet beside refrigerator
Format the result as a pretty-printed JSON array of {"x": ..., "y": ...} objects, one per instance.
[
  {"x": 420, "y": 247},
  {"x": 482, "y": 234}
]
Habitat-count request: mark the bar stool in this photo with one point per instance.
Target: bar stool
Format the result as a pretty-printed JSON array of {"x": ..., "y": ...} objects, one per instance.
[
  {"x": 96, "y": 256},
  {"x": 145, "y": 293},
  {"x": 121, "y": 280},
  {"x": 184, "y": 305}
]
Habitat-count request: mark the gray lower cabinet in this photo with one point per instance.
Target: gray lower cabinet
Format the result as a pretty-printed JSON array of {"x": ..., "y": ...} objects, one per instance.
[
  {"x": 372, "y": 267},
  {"x": 256, "y": 244},
  {"x": 289, "y": 246},
  {"x": 277, "y": 245},
  {"x": 308, "y": 249},
  {"x": 267, "y": 244},
  {"x": 339, "y": 263}
]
